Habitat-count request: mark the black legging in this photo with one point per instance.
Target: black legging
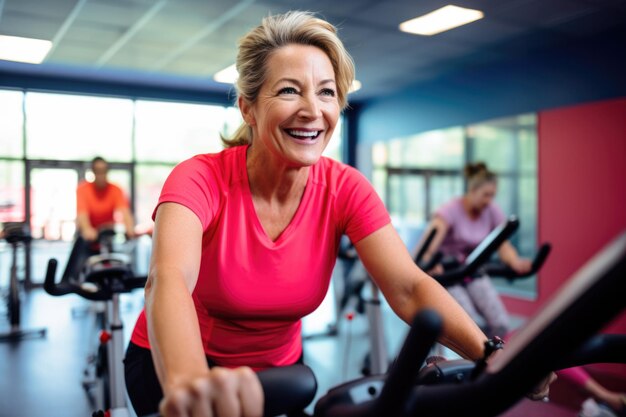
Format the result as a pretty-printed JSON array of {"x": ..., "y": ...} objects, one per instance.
[{"x": 142, "y": 383}]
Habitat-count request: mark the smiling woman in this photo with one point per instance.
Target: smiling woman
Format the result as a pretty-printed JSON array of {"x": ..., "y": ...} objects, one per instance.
[
  {"x": 245, "y": 240},
  {"x": 296, "y": 110},
  {"x": 291, "y": 28}
]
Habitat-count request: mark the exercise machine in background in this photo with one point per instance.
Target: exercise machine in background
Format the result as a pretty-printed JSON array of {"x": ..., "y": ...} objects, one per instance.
[
  {"x": 377, "y": 361},
  {"x": 17, "y": 234},
  {"x": 103, "y": 278}
]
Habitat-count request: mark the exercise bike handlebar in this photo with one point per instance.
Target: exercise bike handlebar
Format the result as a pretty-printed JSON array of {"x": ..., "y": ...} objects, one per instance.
[
  {"x": 477, "y": 398},
  {"x": 286, "y": 389},
  {"x": 499, "y": 269},
  {"x": 398, "y": 387},
  {"x": 419, "y": 257},
  {"x": 422, "y": 250},
  {"x": 560, "y": 330},
  {"x": 480, "y": 254},
  {"x": 110, "y": 280},
  {"x": 17, "y": 232},
  {"x": 603, "y": 348},
  {"x": 292, "y": 388}
]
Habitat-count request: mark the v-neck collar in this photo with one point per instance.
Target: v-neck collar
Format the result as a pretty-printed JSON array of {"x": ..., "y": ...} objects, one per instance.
[{"x": 247, "y": 197}]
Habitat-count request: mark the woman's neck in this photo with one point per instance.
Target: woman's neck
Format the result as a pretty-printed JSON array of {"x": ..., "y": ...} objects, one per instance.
[{"x": 271, "y": 180}]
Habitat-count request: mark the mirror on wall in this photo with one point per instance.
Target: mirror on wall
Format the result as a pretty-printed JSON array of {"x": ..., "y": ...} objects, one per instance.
[{"x": 415, "y": 175}]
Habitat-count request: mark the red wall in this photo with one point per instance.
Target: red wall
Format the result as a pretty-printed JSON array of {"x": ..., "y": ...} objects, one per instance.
[{"x": 582, "y": 193}]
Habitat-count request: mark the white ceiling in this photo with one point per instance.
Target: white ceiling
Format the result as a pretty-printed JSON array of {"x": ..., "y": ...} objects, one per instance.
[{"x": 187, "y": 41}]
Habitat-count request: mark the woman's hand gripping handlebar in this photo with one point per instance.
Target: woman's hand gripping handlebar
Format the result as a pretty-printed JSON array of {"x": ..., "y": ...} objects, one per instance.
[{"x": 286, "y": 389}]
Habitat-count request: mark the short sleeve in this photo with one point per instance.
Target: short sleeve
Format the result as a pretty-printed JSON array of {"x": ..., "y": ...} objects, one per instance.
[
  {"x": 360, "y": 209},
  {"x": 189, "y": 184},
  {"x": 448, "y": 212},
  {"x": 121, "y": 201},
  {"x": 81, "y": 199}
]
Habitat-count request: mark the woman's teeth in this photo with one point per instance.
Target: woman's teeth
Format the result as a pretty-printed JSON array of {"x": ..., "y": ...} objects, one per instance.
[{"x": 302, "y": 134}]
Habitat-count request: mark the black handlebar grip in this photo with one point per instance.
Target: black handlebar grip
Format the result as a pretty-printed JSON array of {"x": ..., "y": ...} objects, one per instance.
[
  {"x": 543, "y": 253},
  {"x": 287, "y": 389},
  {"x": 434, "y": 260},
  {"x": 136, "y": 282},
  {"x": 602, "y": 348},
  {"x": 48, "y": 283},
  {"x": 422, "y": 250},
  {"x": 394, "y": 397},
  {"x": 65, "y": 287}
]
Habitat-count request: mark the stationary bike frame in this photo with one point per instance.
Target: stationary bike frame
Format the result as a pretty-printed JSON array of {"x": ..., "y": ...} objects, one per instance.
[
  {"x": 17, "y": 234},
  {"x": 111, "y": 275}
]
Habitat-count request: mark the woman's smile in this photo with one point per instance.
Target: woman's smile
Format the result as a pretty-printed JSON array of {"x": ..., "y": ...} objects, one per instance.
[{"x": 304, "y": 136}]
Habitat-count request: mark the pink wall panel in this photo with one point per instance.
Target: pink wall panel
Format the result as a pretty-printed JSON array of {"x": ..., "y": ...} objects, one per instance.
[{"x": 582, "y": 193}]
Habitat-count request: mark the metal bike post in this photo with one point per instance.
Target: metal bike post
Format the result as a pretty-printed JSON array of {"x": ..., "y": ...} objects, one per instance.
[
  {"x": 379, "y": 361},
  {"x": 116, "y": 353},
  {"x": 14, "y": 307}
]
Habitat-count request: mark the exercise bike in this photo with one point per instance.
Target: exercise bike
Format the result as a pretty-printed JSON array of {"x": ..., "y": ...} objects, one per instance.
[
  {"x": 104, "y": 277},
  {"x": 17, "y": 234},
  {"x": 377, "y": 361},
  {"x": 75, "y": 272},
  {"x": 561, "y": 335}
]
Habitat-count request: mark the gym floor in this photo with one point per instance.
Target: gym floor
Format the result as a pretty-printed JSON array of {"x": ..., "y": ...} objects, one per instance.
[{"x": 42, "y": 375}]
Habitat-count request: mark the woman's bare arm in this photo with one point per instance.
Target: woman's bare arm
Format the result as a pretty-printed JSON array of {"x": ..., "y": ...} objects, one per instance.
[
  {"x": 189, "y": 387},
  {"x": 508, "y": 254},
  {"x": 172, "y": 321}
]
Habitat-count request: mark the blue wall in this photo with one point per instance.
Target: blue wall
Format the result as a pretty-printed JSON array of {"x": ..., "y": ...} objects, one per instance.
[{"x": 571, "y": 74}]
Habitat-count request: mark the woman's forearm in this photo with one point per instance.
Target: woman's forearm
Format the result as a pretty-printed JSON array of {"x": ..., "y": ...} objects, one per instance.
[
  {"x": 460, "y": 332},
  {"x": 129, "y": 222},
  {"x": 173, "y": 329},
  {"x": 82, "y": 222},
  {"x": 507, "y": 253}
]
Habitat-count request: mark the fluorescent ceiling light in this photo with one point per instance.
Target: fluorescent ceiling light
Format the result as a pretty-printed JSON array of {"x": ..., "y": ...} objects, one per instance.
[
  {"x": 440, "y": 20},
  {"x": 32, "y": 51},
  {"x": 227, "y": 76},
  {"x": 355, "y": 86}
]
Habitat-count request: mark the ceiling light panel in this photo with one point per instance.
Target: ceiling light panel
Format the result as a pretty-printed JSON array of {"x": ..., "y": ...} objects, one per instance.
[
  {"x": 441, "y": 20},
  {"x": 32, "y": 51}
]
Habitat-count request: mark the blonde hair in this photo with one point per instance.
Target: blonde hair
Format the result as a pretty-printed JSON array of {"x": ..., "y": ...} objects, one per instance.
[
  {"x": 478, "y": 174},
  {"x": 295, "y": 27}
]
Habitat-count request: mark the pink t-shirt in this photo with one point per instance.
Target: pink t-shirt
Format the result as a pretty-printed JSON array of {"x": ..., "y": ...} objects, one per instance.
[
  {"x": 251, "y": 291},
  {"x": 465, "y": 233}
]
